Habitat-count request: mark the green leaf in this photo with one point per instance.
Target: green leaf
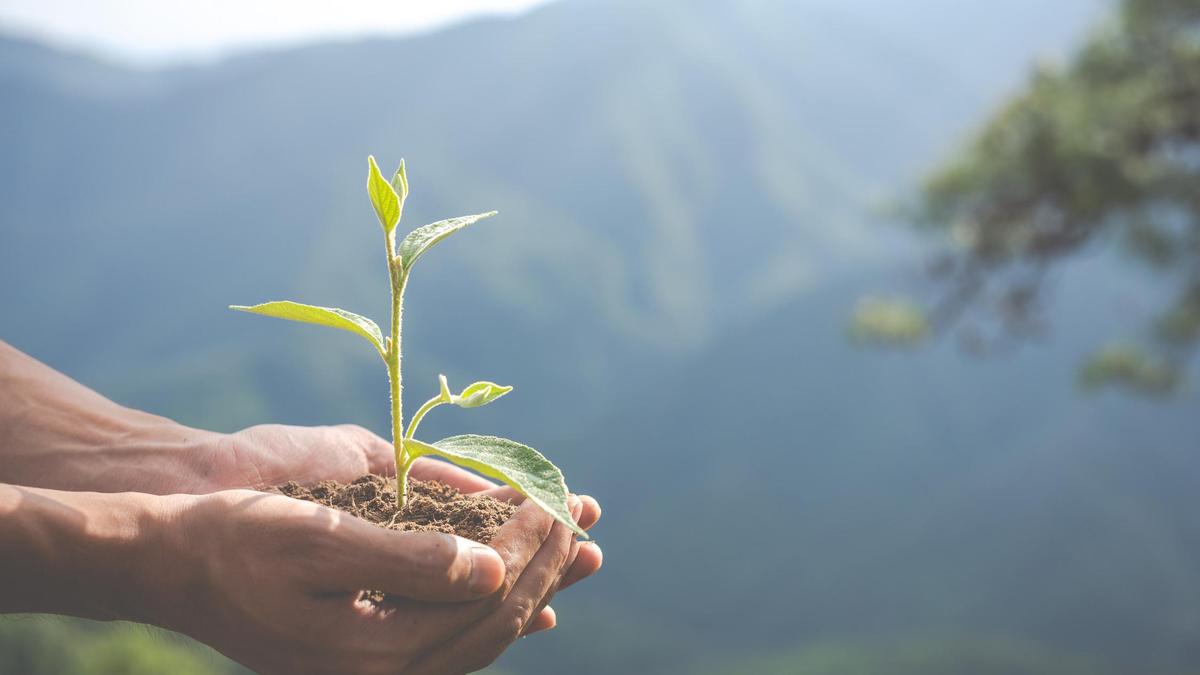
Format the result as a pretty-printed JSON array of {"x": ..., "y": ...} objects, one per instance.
[
  {"x": 475, "y": 395},
  {"x": 324, "y": 316},
  {"x": 423, "y": 238},
  {"x": 400, "y": 184},
  {"x": 520, "y": 466},
  {"x": 383, "y": 197},
  {"x": 479, "y": 394}
]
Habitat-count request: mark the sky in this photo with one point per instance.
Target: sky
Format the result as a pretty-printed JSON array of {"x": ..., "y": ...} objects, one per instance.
[{"x": 157, "y": 32}]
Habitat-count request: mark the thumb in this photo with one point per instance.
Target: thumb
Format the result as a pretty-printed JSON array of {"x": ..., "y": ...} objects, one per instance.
[{"x": 419, "y": 565}]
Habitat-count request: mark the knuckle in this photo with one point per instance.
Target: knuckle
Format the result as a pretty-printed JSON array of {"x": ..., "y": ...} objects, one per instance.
[
  {"x": 512, "y": 622},
  {"x": 310, "y": 529},
  {"x": 561, "y": 553},
  {"x": 509, "y": 633},
  {"x": 505, "y": 630}
]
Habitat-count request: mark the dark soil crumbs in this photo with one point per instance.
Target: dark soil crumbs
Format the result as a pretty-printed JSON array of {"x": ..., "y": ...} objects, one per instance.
[{"x": 431, "y": 507}]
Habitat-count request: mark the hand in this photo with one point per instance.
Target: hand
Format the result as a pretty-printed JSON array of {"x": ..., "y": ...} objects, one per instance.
[
  {"x": 587, "y": 556},
  {"x": 274, "y": 584},
  {"x": 273, "y": 454}
]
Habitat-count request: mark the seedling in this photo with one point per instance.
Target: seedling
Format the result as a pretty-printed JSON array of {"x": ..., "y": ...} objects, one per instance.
[{"x": 518, "y": 465}]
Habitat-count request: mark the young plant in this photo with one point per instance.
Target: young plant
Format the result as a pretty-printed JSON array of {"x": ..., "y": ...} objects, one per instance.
[{"x": 520, "y": 466}]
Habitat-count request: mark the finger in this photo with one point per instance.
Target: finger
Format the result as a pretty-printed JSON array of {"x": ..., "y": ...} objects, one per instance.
[
  {"x": 576, "y": 507},
  {"x": 427, "y": 468},
  {"x": 517, "y": 542},
  {"x": 480, "y": 644},
  {"x": 590, "y": 514},
  {"x": 419, "y": 565},
  {"x": 499, "y": 629},
  {"x": 562, "y": 573},
  {"x": 587, "y": 562},
  {"x": 545, "y": 620}
]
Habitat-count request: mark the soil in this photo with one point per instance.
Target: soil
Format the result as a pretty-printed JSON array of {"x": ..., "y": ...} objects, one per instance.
[{"x": 431, "y": 507}]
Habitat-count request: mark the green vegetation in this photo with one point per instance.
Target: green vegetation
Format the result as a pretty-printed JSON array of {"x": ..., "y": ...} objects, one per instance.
[
  {"x": 35, "y": 644},
  {"x": 1103, "y": 149},
  {"x": 1130, "y": 366},
  {"x": 894, "y": 321},
  {"x": 520, "y": 466}
]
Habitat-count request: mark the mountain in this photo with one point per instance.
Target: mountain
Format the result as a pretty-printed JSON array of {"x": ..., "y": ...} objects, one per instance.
[{"x": 662, "y": 170}]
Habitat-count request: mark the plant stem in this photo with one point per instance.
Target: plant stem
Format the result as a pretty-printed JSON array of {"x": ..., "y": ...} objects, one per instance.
[
  {"x": 426, "y": 407},
  {"x": 397, "y": 387}
]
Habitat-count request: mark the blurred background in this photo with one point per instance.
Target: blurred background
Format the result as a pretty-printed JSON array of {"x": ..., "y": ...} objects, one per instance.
[{"x": 871, "y": 324}]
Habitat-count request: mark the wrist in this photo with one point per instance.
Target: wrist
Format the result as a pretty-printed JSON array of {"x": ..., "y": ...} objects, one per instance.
[
  {"x": 159, "y": 456},
  {"x": 175, "y": 574},
  {"x": 164, "y": 575}
]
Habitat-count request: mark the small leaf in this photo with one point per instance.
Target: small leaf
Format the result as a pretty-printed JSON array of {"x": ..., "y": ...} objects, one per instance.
[
  {"x": 520, "y": 466},
  {"x": 479, "y": 394},
  {"x": 400, "y": 184},
  {"x": 475, "y": 395},
  {"x": 423, "y": 238},
  {"x": 324, "y": 316},
  {"x": 383, "y": 197}
]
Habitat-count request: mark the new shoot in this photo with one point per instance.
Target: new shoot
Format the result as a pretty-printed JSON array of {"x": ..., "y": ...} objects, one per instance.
[{"x": 518, "y": 465}]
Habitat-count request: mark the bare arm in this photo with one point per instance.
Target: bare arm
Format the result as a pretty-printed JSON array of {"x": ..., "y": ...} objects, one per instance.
[
  {"x": 80, "y": 554},
  {"x": 57, "y": 433}
]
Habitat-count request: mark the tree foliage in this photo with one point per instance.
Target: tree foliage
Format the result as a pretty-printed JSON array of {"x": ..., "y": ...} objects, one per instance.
[{"x": 1103, "y": 149}]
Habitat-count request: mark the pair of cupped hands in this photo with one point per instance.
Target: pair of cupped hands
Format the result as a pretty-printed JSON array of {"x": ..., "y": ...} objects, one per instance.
[{"x": 281, "y": 578}]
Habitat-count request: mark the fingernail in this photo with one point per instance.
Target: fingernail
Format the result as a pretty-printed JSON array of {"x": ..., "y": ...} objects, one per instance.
[
  {"x": 576, "y": 507},
  {"x": 487, "y": 570}
]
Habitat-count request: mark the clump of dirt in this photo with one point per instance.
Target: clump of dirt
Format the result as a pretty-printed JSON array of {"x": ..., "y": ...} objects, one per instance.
[{"x": 431, "y": 507}]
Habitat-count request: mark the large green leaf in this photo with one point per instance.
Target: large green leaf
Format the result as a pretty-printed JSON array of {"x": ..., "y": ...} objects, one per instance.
[
  {"x": 520, "y": 466},
  {"x": 324, "y": 316},
  {"x": 383, "y": 197},
  {"x": 423, "y": 238}
]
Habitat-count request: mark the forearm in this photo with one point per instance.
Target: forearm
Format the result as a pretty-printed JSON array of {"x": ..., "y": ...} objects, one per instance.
[
  {"x": 91, "y": 555},
  {"x": 57, "y": 433}
]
